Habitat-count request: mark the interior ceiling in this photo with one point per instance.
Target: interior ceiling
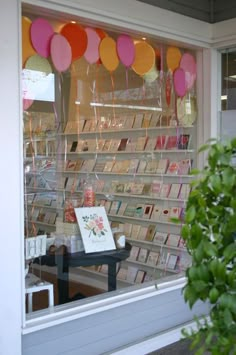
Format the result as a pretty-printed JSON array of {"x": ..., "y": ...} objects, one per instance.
[{"x": 211, "y": 11}]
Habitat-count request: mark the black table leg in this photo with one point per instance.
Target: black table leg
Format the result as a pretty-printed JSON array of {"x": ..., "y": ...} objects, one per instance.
[
  {"x": 62, "y": 279},
  {"x": 111, "y": 276}
]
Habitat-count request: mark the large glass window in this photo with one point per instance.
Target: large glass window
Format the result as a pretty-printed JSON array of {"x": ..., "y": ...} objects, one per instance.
[
  {"x": 228, "y": 94},
  {"x": 109, "y": 132}
]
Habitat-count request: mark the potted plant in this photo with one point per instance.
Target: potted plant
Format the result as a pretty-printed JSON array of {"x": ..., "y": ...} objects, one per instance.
[{"x": 209, "y": 232}]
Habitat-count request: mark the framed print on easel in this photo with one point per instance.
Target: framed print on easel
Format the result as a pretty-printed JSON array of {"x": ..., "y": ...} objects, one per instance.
[{"x": 95, "y": 229}]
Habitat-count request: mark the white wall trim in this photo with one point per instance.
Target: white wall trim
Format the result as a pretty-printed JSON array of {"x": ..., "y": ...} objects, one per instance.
[
  {"x": 224, "y": 34},
  {"x": 135, "y": 16},
  {"x": 156, "y": 342},
  {"x": 143, "y": 18},
  {"x": 83, "y": 308}
]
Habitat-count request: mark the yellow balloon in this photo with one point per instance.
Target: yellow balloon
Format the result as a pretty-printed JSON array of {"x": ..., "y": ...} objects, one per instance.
[
  {"x": 173, "y": 56},
  {"x": 144, "y": 58},
  {"x": 108, "y": 53},
  {"x": 27, "y": 48}
]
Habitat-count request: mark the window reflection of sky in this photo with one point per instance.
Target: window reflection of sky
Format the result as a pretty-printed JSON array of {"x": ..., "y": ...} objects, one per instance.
[{"x": 38, "y": 85}]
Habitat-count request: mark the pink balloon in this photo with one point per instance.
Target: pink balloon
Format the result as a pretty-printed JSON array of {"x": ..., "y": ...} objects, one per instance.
[
  {"x": 125, "y": 50},
  {"x": 61, "y": 52},
  {"x": 92, "y": 51},
  {"x": 27, "y": 103},
  {"x": 188, "y": 64},
  {"x": 41, "y": 33},
  {"x": 179, "y": 82}
]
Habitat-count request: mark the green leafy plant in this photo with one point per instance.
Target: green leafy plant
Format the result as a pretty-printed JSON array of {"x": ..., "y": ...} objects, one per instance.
[{"x": 209, "y": 232}]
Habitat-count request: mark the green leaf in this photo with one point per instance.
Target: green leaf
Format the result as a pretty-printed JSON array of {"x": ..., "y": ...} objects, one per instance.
[
  {"x": 195, "y": 172},
  {"x": 193, "y": 273},
  {"x": 233, "y": 143},
  {"x": 228, "y": 178},
  {"x": 203, "y": 272},
  {"x": 203, "y": 148},
  {"x": 215, "y": 183},
  {"x": 185, "y": 231},
  {"x": 230, "y": 252},
  {"x": 200, "y": 285},
  {"x": 198, "y": 253},
  {"x": 228, "y": 319},
  {"x": 213, "y": 295},
  {"x": 190, "y": 214},
  {"x": 190, "y": 295},
  {"x": 210, "y": 249}
]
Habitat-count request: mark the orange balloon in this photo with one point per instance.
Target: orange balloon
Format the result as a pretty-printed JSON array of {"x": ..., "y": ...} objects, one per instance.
[
  {"x": 108, "y": 53},
  {"x": 77, "y": 38},
  {"x": 144, "y": 58},
  {"x": 27, "y": 48},
  {"x": 173, "y": 57},
  {"x": 102, "y": 34}
]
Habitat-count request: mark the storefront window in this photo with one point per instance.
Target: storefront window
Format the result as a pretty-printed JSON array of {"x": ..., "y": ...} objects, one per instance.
[
  {"x": 109, "y": 142},
  {"x": 228, "y": 95}
]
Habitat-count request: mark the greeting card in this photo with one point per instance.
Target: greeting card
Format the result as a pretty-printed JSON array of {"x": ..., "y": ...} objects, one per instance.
[
  {"x": 165, "y": 189},
  {"x": 140, "y": 276},
  {"x": 131, "y": 273},
  {"x": 138, "y": 120},
  {"x": 172, "y": 143},
  {"x": 174, "y": 191},
  {"x": 146, "y": 120},
  {"x": 153, "y": 257},
  {"x": 184, "y": 166},
  {"x": 157, "y": 209},
  {"x": 161, "y": 142},
  {"x": 135, "y": 231},
  {"x": 171, "y": 261},
  {"x": 184, "y": 141},
  {"x": 184, "y": 191},
  {"x": 150, "y": 232},
  {"x": 173, "y": 240},
  {"x": 142, "y": 256},
  {"x": 155, "y": 119},
  {"x": 134, "y": 253},
  {"x": 173, "y": 168},
  {"x": 160, "y": 237},
  {"x": 122, "y": 274},
  {"x": 156, "y": 188},
  {"x": 95, "y": 229},
  {"x": 151, "y": 143},
  {"x": 151, "y": 167},
  {"x": 162, "y": 166}
]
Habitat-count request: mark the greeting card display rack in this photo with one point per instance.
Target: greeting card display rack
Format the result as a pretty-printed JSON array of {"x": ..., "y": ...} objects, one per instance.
[{"x": 139, "y": 165}]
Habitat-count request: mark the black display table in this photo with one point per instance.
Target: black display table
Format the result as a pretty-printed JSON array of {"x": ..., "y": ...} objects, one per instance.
[{"x": 65, "y": 261}]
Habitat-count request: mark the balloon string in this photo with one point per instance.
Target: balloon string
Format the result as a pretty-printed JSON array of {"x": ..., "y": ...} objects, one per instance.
[
  {"x": 113, "y": 98},
  {"x": 63, "y": 98},
  {"x": 34, "y": 170},
  {"x": 162, "y": 65},
  {"x": 100, "y": 123},
  {"x": 127, "y": 80},
  {"x": 98, "y": 115},
  {"x": 32, "y": 149},
  {"x": 143, "y": 91}
]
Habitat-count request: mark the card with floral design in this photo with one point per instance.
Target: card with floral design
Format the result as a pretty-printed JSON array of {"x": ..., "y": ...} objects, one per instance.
[{"x": 95, "y": 229}]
